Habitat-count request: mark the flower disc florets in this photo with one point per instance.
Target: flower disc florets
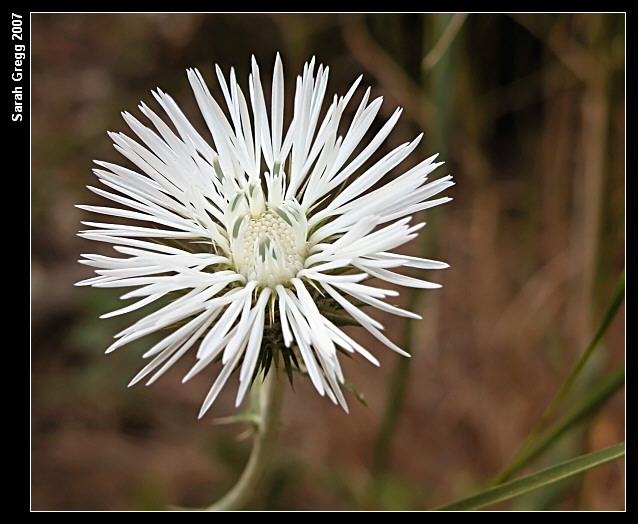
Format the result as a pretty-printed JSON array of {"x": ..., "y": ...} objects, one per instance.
[
  {"x": 267, "y": 239},
  {"x": 224, "y": 233}
]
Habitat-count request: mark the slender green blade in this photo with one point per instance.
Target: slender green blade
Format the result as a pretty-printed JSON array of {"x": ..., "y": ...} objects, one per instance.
[
  {"x": 590, "y": 403},
  {"x": 537, "y": 480},
  {"x": 540, "y": 438}
]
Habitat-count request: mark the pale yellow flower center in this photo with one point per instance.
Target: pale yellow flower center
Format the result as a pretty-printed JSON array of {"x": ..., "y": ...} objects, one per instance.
[{"x": 270, "y": 250}]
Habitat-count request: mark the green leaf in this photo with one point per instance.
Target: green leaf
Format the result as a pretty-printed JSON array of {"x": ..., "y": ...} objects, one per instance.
[
  {"x": 614, "y": 305},
  {"x": 537, "y": 480},
  {"x": 352, "y": 388},
  {"x": 587, "y": 405},
  {"x": 536, "y": 442}
]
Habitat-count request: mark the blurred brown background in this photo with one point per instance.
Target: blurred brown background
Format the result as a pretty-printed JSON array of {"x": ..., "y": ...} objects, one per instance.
[{"x": 528, "y": 112}]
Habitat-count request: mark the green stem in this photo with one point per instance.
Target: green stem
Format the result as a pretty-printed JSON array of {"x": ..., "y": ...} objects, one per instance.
[
  {"x": 614, "y": 305},
  {"x": 588, "y": 405},
  {"x": 530, "y": 447},
  {"x": 271, "y": 400},
  {"x": 439, "y": 81},
  {"x": 396, "y": 397},
  {"x": 535, "y": 481}
]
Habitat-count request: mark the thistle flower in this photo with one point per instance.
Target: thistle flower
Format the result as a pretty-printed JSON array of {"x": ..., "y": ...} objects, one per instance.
[{"x": 256, "y": 247}]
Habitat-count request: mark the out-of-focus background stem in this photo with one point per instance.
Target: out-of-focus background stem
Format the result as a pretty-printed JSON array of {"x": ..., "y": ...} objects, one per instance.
[
  {"x": 528, "y": 113},
  {"x": 437, "y": 72}
]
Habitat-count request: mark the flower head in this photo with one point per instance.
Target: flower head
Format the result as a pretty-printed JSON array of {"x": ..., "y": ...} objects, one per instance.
[{"x": 253, "y": 245}]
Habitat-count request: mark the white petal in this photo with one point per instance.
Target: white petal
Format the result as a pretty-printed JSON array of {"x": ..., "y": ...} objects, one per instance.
[{"x": 254, "y": 345}]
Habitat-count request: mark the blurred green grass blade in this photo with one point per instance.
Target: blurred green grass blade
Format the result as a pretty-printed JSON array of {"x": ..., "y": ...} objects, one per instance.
[
  {"x": 587, "y": 405},
  {"x": 537, "y": 480},
  {"x": 532, "y": 445},
  {"x": 438, "y": 83},
  {"x": 614, "y": 305}
]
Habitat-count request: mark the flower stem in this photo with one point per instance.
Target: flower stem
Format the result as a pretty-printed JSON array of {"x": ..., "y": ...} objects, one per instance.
[{"x": 270, "y": 401}]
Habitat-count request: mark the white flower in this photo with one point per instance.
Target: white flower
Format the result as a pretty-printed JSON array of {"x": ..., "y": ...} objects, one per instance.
[{"x": 253, "y": 238}]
